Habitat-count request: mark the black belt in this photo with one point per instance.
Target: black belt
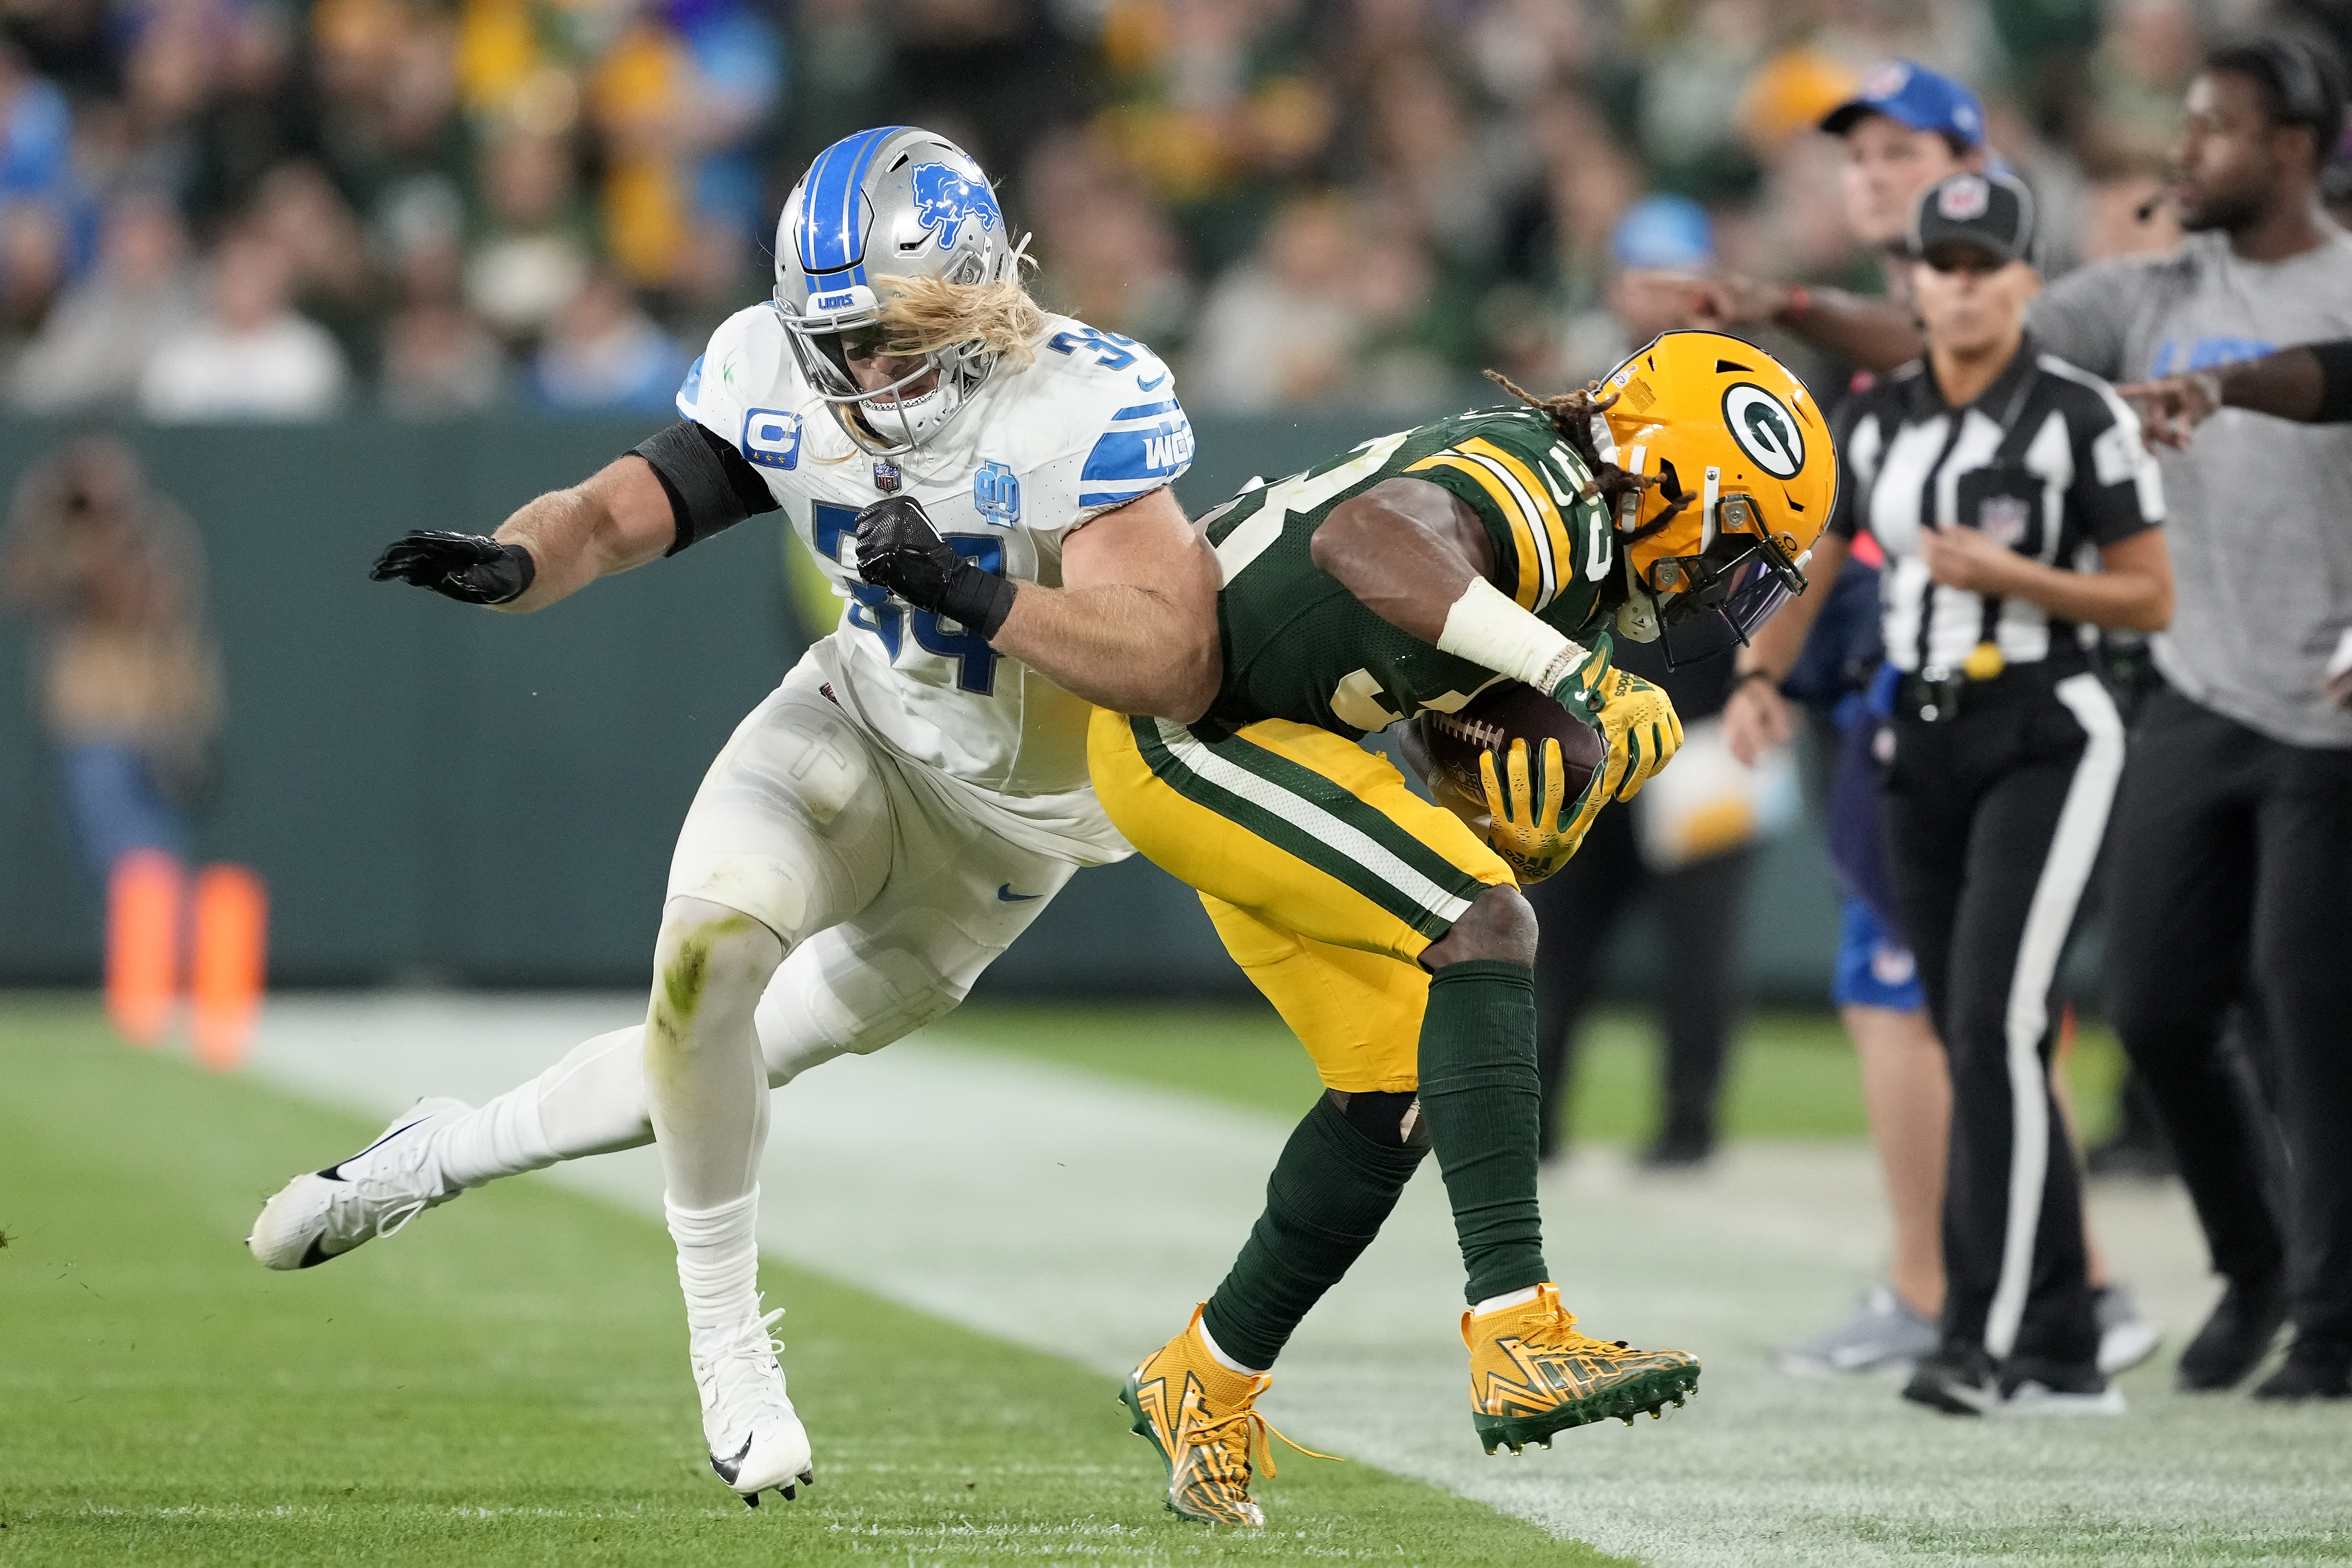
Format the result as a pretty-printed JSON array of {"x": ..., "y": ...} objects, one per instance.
[{"x": 1939, "y": 694}]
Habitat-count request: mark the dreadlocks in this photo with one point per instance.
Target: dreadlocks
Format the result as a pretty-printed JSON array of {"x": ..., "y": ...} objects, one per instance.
[{"x": 1573, "y": 414}]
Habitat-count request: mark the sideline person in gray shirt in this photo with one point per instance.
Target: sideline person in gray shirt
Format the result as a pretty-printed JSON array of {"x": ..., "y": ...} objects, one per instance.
[
  {"x": 2260, "y": 540},
  {"x": 2231, "y": 845}
]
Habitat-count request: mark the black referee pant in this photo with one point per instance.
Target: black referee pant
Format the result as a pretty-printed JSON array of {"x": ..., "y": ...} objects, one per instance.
[
  {"x": 2232, "y": 880},
  {"x": 1576, "y": 911},
  {"x": 1994, "y": 820}
]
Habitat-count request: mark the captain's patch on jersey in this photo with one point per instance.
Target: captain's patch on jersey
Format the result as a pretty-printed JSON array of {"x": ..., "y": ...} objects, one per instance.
[
  {"x": 1764, "y": 429},
  {"x": 771, "y": 437}
]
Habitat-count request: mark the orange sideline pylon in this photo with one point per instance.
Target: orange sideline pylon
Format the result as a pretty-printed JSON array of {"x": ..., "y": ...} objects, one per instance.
[
  {"x": 231, "y": 964},
  {"x": 142, "y": 944}
]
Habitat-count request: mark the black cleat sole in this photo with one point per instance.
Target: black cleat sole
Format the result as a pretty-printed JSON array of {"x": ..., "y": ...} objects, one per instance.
[
  {"x": 790, "y": 1492},
  {"x": 1648, "y": 1395}
]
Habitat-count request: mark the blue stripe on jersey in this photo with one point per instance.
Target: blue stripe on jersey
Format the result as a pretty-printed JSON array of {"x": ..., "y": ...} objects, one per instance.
[
  {"x": 1132, "y": 457},
  {"x": 829, "y": 240},
  {"x": 1116, "y": 497},
  {"x": 690, "y": 392},
  {"x": 1141, "y": 409}
]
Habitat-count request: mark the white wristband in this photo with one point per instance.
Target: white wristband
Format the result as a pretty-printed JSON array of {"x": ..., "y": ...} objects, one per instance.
[{"x": 1485, "y": 626}]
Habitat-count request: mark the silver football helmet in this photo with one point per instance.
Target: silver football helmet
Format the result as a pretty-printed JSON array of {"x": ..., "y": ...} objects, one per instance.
[{"x": 898, "y": 201}]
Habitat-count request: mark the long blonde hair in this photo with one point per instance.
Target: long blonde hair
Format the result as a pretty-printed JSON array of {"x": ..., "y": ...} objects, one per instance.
[{"x": 925, "y": 314}]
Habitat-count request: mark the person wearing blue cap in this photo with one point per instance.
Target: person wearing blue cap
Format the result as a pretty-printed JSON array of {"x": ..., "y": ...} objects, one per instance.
[{"x": 1905, "y": 128}]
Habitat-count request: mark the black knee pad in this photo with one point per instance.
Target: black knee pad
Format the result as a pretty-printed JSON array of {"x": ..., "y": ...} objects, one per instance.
[{"x": 1389, "y": 1120}]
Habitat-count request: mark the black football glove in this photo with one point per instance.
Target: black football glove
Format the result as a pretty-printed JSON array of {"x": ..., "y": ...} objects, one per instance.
[
  {"x": 899, "y": 550},
  {"x": 463, "y": 566}
]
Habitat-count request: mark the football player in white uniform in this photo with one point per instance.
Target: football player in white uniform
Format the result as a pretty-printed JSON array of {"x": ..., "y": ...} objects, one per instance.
[{"x": 904, "y": 805}]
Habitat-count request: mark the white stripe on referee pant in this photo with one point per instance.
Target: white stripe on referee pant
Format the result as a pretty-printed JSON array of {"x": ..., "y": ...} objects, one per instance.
[
  {"x": 2073, "y": 850},
  {"x": 1302, "y": 813}
]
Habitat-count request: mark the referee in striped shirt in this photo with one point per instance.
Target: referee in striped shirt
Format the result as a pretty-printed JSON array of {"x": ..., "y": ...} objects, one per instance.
[{"x": 2017, "y": 511}]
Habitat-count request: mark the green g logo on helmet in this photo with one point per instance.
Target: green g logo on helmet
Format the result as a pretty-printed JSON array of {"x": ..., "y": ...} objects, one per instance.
[{"x": 1764, "y": 429}]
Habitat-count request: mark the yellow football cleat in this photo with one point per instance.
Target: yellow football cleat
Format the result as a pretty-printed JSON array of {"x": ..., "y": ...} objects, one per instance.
[
  {"x": 1532, "y": 1374},
  {"x": 1198, "y": 1412}
]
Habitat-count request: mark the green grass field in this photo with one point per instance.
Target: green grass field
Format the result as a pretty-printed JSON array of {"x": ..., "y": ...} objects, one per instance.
[{"x": 514, "y": 1389}]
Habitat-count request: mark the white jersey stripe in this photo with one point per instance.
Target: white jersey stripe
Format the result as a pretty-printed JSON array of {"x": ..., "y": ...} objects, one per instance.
[
  {"x": 1304, "y": 814},
  {"x": 1546, "y": 575}
]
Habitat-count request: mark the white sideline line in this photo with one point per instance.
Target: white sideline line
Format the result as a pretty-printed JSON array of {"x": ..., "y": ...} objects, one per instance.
[{"x": 1083, "y": 1217}]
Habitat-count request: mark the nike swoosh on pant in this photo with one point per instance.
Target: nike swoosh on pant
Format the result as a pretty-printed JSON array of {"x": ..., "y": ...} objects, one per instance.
[{"x": 1005, "y": 895}]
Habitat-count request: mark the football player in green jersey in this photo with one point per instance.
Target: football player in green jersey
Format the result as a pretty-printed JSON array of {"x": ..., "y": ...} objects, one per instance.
[{"x": 1403, "y": 577}]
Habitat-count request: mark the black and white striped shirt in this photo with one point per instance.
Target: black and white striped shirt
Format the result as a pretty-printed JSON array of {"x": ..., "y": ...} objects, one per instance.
[{"x": 2047, "y": 460}]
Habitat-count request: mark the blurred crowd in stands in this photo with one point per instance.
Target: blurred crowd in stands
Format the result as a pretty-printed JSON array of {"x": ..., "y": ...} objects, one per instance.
[{"x": 250, "y": 208}]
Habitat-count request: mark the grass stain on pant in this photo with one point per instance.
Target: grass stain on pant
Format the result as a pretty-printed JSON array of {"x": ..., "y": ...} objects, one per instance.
[{"x": 678, "y": 994}]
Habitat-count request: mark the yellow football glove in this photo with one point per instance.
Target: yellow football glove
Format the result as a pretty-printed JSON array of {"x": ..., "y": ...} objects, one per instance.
[
  {"x": 1532, "y": 829},
  {"x": 1637, "y": 722}
]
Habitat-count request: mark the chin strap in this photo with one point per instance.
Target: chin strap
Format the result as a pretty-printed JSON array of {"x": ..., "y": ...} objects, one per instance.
[{"x": 1637, "y": 616}]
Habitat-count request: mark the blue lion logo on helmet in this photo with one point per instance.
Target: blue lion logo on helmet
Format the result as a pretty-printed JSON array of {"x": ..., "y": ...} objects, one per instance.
[{"x": 944, "y": 198}]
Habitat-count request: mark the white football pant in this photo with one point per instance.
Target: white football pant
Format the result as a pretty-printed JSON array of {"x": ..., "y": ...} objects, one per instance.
[{"x": 889, "y": 896}]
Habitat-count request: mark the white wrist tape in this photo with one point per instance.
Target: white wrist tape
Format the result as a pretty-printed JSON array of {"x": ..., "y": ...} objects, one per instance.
[{"x": 1486, "y": 629}]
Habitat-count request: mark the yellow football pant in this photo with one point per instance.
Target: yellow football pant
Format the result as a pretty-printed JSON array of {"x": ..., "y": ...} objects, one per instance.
[{"x": 1325, "y": 874}]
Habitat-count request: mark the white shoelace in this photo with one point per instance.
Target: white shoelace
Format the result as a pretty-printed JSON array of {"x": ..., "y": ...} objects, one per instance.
[
  {"x": 388, "y": 1191},
  {"x": 738, "y": 1402}
]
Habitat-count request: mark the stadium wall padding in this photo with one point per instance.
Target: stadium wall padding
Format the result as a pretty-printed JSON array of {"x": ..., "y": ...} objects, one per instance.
[{"x": 440, "y": 795}]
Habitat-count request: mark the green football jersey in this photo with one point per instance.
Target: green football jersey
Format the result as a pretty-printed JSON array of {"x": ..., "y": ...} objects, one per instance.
[{"x": 1299, "y": 645}]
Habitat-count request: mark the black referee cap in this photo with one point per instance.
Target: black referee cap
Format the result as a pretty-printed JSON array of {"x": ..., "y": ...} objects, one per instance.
[{"x": 1991, "y": 212}]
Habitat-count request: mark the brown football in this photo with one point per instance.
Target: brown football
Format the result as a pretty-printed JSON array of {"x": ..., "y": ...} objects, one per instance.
[{"x": 1506, "y": 711}]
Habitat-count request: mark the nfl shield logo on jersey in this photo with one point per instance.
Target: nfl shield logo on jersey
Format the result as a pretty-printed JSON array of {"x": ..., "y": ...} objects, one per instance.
[
  {"x": 996, "y": 494},
  {"x": 2004, "y": 520},
  {"x": 886, "y": 476}
]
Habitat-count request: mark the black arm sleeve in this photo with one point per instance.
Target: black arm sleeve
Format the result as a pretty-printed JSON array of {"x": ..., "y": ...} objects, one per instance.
[
  {"x": 710, "y": 487},
  {"x": 2335, "y": 359}
]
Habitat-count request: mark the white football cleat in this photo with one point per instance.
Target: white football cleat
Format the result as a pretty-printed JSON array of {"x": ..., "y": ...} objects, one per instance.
[
  {"x": 2033, "y": 1397},
  {"x": 2126, "y": 1336},
  {"x": 324, "y": 1214},
  {"x": 755, "y": 1436}
]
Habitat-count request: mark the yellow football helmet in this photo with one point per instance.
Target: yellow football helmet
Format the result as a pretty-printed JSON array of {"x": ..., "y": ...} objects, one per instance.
[{"x": 1748, "y": 476}]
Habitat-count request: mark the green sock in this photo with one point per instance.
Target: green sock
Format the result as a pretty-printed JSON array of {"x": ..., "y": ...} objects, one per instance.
[
  {"x": 1482, "y": 1100},
  {"x": 1329, "y": 1193}
]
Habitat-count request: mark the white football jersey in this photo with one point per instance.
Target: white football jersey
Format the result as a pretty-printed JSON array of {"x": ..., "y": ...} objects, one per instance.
[{"x": 1091, "y": 423}]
